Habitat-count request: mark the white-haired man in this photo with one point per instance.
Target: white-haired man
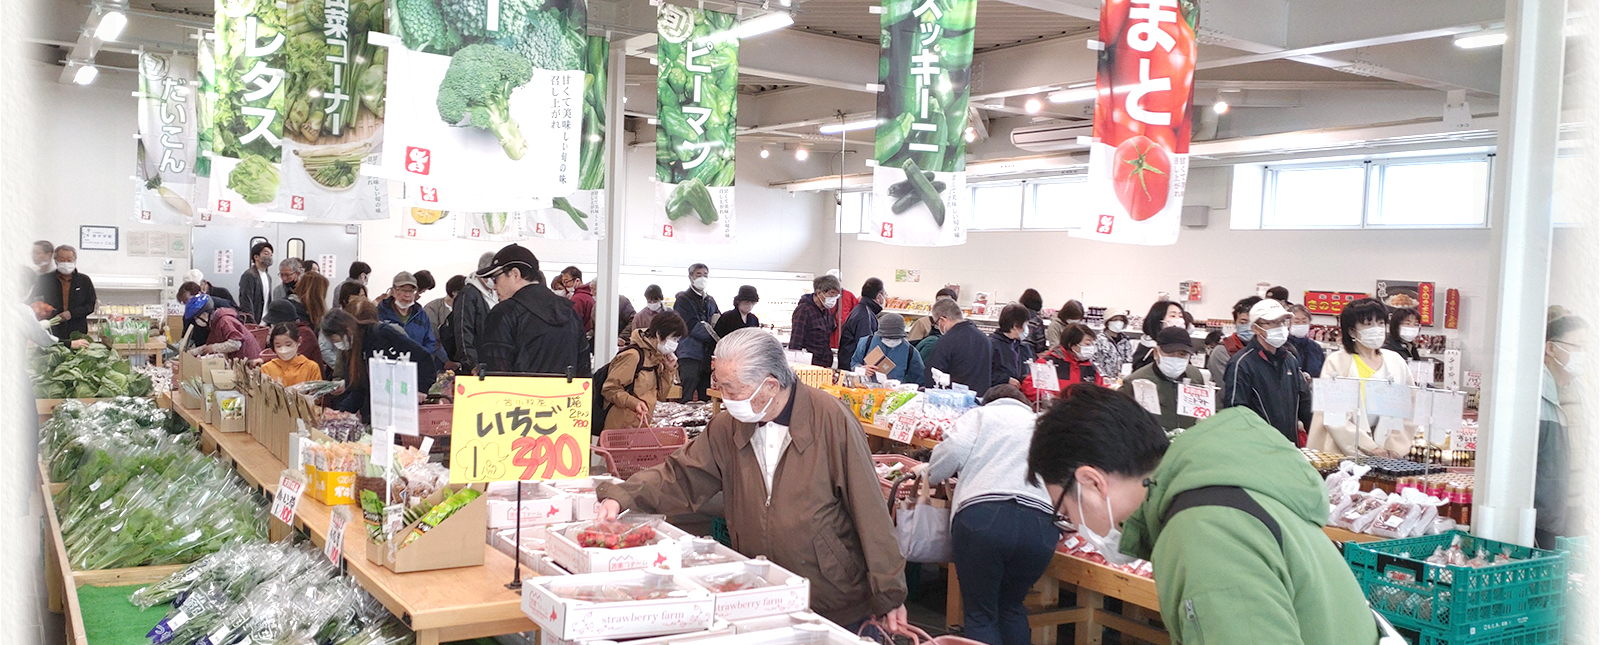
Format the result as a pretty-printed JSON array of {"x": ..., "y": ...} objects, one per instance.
[{"x": 797, "y": 479}]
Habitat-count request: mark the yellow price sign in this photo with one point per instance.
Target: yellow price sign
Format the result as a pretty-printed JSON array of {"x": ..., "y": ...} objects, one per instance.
[{"x": 509, "y": 428}]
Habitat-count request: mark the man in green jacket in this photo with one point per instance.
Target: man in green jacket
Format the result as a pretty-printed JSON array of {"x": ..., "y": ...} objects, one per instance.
[{"x": 1229, "y": 513}]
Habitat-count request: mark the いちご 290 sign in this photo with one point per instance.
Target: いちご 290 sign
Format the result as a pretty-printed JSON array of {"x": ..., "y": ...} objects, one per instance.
[{"x": 508, "y": 428}]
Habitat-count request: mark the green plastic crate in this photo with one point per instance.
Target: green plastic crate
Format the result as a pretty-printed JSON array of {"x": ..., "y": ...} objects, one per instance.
[
  {"x": 1461, "y": 602},
  {"x": 1542, "y": 635}
]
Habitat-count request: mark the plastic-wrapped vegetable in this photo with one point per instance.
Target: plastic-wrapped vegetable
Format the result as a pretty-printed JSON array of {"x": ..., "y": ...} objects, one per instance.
[
  {"x": 627, "y": 531},
  {"x": 443, "y": 511}
]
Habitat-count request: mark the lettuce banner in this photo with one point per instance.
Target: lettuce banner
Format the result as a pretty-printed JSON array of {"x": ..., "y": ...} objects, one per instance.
[
  {"x": 168, "y": 144},
  {"x": 582, "y": 215},
  {"x": 697, "y": 104},
  {"x": 491, "y": 227},
  {"x": 1139, "y": 162},
  {"x": 486, "y": 102},
  {"x": 925, "y": 65}
]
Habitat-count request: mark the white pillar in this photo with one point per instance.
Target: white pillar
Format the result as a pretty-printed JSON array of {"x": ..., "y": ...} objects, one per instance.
[
  {"x": 1530, "y": 108},
  {"x": 608, "y": 260}
]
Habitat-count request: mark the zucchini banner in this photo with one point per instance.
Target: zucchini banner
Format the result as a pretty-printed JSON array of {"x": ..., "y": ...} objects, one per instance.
[
  {"x": 697, "y": 105},
  {"x": 919, "y": 186},
  {"x": 1139, "y": 162},
  {"x": 582, "y": 215},
  {"x": 169, "y": 92}
]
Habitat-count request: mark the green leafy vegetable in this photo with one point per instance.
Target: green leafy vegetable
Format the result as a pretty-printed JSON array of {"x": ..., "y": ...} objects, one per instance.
[
  {"x": 60, "y": 372},
  {"x": 255, "y": 179}
]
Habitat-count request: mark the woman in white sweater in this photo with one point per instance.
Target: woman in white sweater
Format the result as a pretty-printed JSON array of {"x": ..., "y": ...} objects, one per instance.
[
  {"x": 1003, "y": 529},
  {"x": 1363, "y": 327}
]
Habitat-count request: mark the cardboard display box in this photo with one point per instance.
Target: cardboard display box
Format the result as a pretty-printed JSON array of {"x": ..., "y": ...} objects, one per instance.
[
  {"x": 541, "y": 504},
  {"x": 582, "y": 492},
  {"x": 824, "y": 633},
  {"x": 718, "y": 628},
  {"x": 687, "y": 608},
  {"x": 781, "y": 592},
  {"x": 231, "y": 410},
  {"x": 667, "y": 552},
  {"x": 455, "y": 542}
]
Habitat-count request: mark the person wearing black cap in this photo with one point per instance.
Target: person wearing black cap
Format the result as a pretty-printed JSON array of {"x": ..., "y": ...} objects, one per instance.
[
  {"x": 863, "y": 320},
  {"x": 532, "y": 330},
  {"x": 739, "y": 317},
  {"x": 1169, "y": 367}
]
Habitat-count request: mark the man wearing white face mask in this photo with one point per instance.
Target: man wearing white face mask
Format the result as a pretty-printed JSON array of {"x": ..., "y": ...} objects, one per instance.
[
  {"x": 70, "y": 295},
  {"x": 797, "y": 479},
  {"x": 1265, "y": 377},
  {"x": 699, "y": 312},
  {"x": 1558, "y": 502},
  {"x": 1363, "y": 325},
  {"x": 812, "y": 324},
  {"x": 472, "y": 313},
  {"x": 1171, "y": 367},
  {"x": 403, "y": 310},
  {"x": 1307, "y": 348},
  {"x": 1229, "y": 515}
]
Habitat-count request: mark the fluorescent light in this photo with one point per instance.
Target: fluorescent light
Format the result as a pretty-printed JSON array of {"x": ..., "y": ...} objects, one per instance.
[
  {"x": 1489, "y": 38},
  {"x": 1032, "y": 106},
  {"x": 1220, "y": 107},
  {"x": 836, "y": 128},
  {"x": 111, "y": 25},
  {"x": 801, "y": 154},
  {"x": 970, "y": 135},
  {"x": 761, "y": 24},
  {"x": 86, "y": 74},
  {"x": 765, "y": 153},
  {"x": 1074, "y": 95}
]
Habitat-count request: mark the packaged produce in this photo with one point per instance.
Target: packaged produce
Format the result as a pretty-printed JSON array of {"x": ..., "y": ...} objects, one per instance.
[
  {"x": 341, "y": 426},
  {"x": 314, "y": 389},
  {"x": 630, "y": 530},
  {"x": 60, "y": 372},
  {"x": 1357, "y": 514},
  {"x": 701, "y": 552},
  {"x": 438, "y": 514},
  {"x": 618, "y": 605}
]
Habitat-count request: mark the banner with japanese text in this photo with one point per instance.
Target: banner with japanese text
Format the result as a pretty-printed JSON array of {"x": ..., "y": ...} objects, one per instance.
[
  {"x": 486, "y": 105},
  {"x": 508, "y": 428},
  {"x": 1139, "y": 162},
  {"x": 919, "y": 182},
  {"x": 168, "y": 144},
  {"x": 697, "y": 105},
  {"x": 418, "y": 223},
  {"x": 582, "y": 215}
]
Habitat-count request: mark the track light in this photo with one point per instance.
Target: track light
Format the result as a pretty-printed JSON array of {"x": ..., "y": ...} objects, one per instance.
[
  {"x": 1074, "y": 95},
  {"x": 86, "y": 74},
  {"x": 1032, "y": 106},
  {"x": 1488, "y": 38},
  {"x": 765, "y": 153},
  {"x": 801, "y": 154},
  {"x": 1220, "y": 107},
  {"x": 111, "y": 25}
]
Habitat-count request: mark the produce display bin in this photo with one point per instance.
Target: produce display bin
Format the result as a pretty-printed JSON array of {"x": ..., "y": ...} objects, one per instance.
[
  {"x": 1544, "y": 635},
  {"x": 666, "y": 551},
  {"x": 779, "y": 592},
  {"x": 688, "y": 608},
  {"x": 1523, "y": 596},
  {"x": 627, "y": 451}
]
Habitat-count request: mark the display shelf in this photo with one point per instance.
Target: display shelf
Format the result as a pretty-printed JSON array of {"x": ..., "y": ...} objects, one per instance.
[
  {"x": 440, "y": 606},
  {"x": 882, "y": 432}
]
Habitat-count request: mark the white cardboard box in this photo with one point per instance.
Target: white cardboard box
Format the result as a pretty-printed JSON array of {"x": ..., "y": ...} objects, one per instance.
[
  {"x": 809, "y": 634},
  {"x": 701, "y": 552},
  {"x": 718, "y": 628},
  {"x": 541, "y": 504},
  {"x": 689, "y": 609},
  {"x": 777, "y": 622},
  {"x": 666, "y": 553},
  {"x": 783, "y": 593},
  {"x": 582, "y": 492}
]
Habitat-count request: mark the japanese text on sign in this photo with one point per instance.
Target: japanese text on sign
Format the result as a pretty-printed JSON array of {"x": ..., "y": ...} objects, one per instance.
[
  {"x": 260, "y": 82},
  {"x": 1197, "y": 401},
  {"x": 287, "y": 497},
  {"x": 520, "y": 428},
  {"x": 334, "y": 546}
]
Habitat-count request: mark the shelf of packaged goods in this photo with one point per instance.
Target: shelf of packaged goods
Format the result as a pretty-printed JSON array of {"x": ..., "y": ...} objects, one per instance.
[
  {"x": 882, "y": 432},
  {"x": 440, "y": 606}
]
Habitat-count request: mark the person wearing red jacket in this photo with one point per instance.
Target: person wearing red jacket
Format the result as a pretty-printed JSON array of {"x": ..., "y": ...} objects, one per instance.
[
  {"x": 1073, "y": 361},
  {"x": 847, "y": 303}
]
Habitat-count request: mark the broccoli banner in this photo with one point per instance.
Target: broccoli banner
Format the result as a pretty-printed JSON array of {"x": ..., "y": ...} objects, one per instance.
[
  {"x": 168, "y": 139},
  {"x": 1139, "y": 162},
  {"x": 919, "y": 185},
  {"x": 486, "y": 104},
  {"x": 582, "y": 215},
  {"x": 298, "y": 109},
  {"x": 697, "y": 104}
]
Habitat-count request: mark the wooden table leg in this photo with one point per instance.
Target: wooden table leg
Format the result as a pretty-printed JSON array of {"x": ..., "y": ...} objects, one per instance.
[
  {"x": 952, "y": 601},
  {"x": 1089, "y": 632},
  {"x": 53, "y": 584},
  {"x": 1049, "y": 590},
  {"x": 428, "y": 637}
]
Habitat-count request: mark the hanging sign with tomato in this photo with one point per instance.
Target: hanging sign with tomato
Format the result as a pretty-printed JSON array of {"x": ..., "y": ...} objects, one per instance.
[
  {"x": 507, "y": 428},
  {"x": 1139, "y": 161},
  {"x": 925, "y": 66}
]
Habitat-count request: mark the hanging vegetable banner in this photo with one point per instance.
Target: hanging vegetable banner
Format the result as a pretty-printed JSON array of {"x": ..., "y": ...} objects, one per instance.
[
  {"x": 1139, "y": 162},
  {"x": 925, "y": 65},
  {"x": 582, "y": 215},
  {"x": 168, "y": 144},
  {"x": 486, "y": 107},
  {"x": 697, "y": 84},
  {"x": 417, "y": 223}
]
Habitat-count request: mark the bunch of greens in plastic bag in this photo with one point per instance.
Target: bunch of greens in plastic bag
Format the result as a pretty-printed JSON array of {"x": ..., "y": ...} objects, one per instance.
[{"x": 60, "y": 372}]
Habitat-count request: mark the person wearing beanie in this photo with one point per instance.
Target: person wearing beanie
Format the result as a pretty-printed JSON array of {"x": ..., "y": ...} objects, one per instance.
[
  {"x": 1168, "y": 368},
  {"x": 863, "y": 320},
  {"x": 739, "y": 317},
  {"x": 891, "y": 338},
  {"x": 532, "y": 330}
]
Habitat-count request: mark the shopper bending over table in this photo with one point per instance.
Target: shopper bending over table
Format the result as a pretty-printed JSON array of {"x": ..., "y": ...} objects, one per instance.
[
  {"x": 1229, "y": 514},
  {"x": 282, "y": 312},
  {"x": 891, "y": 339},
  {"x": 357, "y": 333},
  {"x": 1171, "y": 368},
  {"x": 1010, "y": 355},
  {"x": 1265, "y": 377},
  {"x": 1073, "y": 362},
  {"x": 1163, "y": 314},
  {"x": 1363, "y": 326},
  {"x": 798, "y": 481},
  {"x": 643, "y": 373},
  {"x": 224, "y": 333},
  {"x": 961, "y": 351},
  {"x": 288, "y": 366},
  {"x": 813, "y": 322}
]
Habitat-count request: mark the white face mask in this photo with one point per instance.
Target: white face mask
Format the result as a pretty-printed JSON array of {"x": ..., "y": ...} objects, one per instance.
[
  {"x": 1576, "y": 363},
  {"x": 66, "y": 268},
  {"x": 1109, "y": 546},
  {"x": 1277, "y": 337},
  {"x": 700, "y": 284},
  {"x": 343, "y": 345},
  {"x": 668, "y": 346},
  {"x": 1172, "y": 366},
  {"x": 1116, "y": 326},
  {"x": 1175, "y": 322},
  {"x": 743, "y": 411},
  {"x": 655, "y": 306},
  {"x": 286, "y": 354},
  {"x": 1409, "y": 333},
  {"x": 1300, "y": 331},
  {"x": 1372, "y": 337},
  {"x": 893, "y": 342},
  {"x": 1084, "y": 352},
  {"x": 830, "y": 302}
]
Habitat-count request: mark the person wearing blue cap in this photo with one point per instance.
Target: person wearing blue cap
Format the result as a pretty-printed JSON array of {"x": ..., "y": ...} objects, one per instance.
[{"x": 225, "y": 334}]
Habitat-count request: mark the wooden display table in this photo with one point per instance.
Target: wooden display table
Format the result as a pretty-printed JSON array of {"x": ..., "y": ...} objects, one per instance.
[
  {"x": 440, "y": 606},
  {"x": 882, "y": 432}
]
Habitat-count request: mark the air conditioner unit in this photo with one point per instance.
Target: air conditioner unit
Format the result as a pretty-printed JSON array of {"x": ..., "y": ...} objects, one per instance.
[{"x": 1051, "y": 138}]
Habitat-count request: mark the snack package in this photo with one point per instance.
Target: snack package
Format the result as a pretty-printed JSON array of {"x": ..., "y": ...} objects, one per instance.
[
  {"x": 438, "y": 514},
  {"x": 1359, "y": 505},
  {"x": 1345, "y": 481},
  {"x": 1396, "y": 516},
  {"x": 628, "y": 531}
]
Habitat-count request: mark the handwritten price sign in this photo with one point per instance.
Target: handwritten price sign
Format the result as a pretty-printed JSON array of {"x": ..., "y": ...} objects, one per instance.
[
  {"x": 520, "y": 428},
  {"x": 334, "y": 547},
  {"x": 1196, "y": 401},
  {"x": 290, "y": 486}
]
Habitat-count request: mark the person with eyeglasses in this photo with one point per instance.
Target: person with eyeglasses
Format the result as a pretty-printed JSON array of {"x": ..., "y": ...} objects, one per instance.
[
  {"x": 1265, "y": 376},
  {"x": 1558, "y": 503},
  {"x": 1229, "y": 515},
  {"x": 1363, "y": 326},
  {"x": 531, "y": 330}
]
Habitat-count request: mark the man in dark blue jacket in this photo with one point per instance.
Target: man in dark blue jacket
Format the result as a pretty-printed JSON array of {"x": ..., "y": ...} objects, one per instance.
[
  {"x": 699, "y": 311},
  {"x": 1265, "y": 376},
  {"x": 863, "y": 320},
  {"x": 963, "y": 352},
  {"x": 403, "y": 310}
]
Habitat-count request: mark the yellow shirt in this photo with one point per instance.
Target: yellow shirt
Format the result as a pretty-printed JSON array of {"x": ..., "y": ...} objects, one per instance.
[{"x": 293, "y": 372}]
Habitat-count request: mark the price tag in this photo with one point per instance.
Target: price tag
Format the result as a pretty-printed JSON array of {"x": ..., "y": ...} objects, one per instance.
[
  {"x": 427, "y": 446},
  {"x": 1144, "y": 392},
  {"x": 902, "y": 430},
  {"x": 291, "y": 485},
  {"x": 1044, "y": 377},
  {"x": 334, "y": 547},
  {"x": 394, "y": 518},
  {"x": 1198, "y": 401}
]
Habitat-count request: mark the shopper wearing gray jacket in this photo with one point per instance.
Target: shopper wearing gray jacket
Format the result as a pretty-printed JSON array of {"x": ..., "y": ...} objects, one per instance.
[{"x": 1003, "y": 529}]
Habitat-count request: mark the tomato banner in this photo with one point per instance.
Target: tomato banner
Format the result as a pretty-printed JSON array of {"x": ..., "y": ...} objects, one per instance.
[
  {"x": 919, "y": 187},
  {"x": 697, "y": 105},
  {"x": 508, "y": 428},
  {"x": 1139, "y": 161},
  {"x": 168, "y": 144}
]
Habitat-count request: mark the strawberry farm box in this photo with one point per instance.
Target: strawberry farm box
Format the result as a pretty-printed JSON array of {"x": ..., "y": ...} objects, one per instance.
[
  {"x": 752, "y": 589},
  {"x": 541, "y": 504},
  {"x": 628, "y": 543},
  {"x": 616, "y": 606}
]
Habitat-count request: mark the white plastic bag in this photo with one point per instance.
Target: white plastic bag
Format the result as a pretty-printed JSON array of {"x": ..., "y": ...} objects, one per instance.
[{"x": 923, "y": 529}]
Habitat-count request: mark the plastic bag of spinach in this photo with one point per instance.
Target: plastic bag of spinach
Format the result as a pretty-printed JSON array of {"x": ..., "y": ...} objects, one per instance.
[{"x": 60, "y": 372}]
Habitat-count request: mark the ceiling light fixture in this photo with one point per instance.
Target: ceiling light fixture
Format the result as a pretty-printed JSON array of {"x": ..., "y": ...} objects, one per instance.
[
  {"x": 765, "y": 152},
  {"x": 848, "y": 126},
  {"x": 111, "y": 25},
  {"x": 759, "y": 25},
  {"x": 1074, "y": 95},
  {"x": 85, "y": 74},
  {"x": 1486, "y": 38},
  {"x": 1032, "y": 106},
  {"x": 1220, "y": 107},
  {"x": 970, "y": 135},
  {"x": 801, "y": 154}
]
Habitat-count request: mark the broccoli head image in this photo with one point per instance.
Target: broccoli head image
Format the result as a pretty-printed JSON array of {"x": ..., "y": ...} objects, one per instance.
[
  {"x": 476, "y": 91},
  {"x": 548, "y": 42},
  {"x": 255, "y": 179},
  {"x": 423, "y": 29},
  {"x": 471, "y": 17}
]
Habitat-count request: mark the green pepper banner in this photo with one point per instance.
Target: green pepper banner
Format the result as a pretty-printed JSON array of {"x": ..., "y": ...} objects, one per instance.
[
  {"x": 296, "y": 109},
  {"x": 169, "y": 89},
  {"x": 582, "y": 215},
  {"x": 697, "y": 105},
  {"x": 925, "y": 65}
]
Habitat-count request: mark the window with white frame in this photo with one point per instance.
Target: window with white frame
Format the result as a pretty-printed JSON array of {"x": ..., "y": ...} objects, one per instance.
[
  {"x": 1406, "y": 192},
  {"x": 1314, "y": 197},
  {"x": 996, "y": 207},
  {"x": 854, "y": 208},
  {"x": 1056, "y": 204}
]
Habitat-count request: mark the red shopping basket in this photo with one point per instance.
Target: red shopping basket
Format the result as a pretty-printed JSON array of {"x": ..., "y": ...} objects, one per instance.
[
  {"x": 630, "y": 450},
  {"x": 906, "y": 464}
]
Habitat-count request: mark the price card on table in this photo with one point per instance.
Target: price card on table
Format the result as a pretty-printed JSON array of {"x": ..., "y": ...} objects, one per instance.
[
  {"x": 334, "y": 546},
  {"x": 1144, "y": 391},
  {"x": 291, "y": 485},
  {"x": 1198, "y": 401},
  {"x": 903, "y": 429},
  {"x": 394, "y": 518},
  {"x": 1335, "y": 397},
  {"x": 1044, "y": 377},
  {"x": 508, "y": 428},
  {"x": 1385, "y": 399}
]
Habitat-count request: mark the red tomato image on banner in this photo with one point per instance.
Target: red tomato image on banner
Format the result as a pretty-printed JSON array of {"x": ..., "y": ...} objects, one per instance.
[{"x": 1142, "y": 171}]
